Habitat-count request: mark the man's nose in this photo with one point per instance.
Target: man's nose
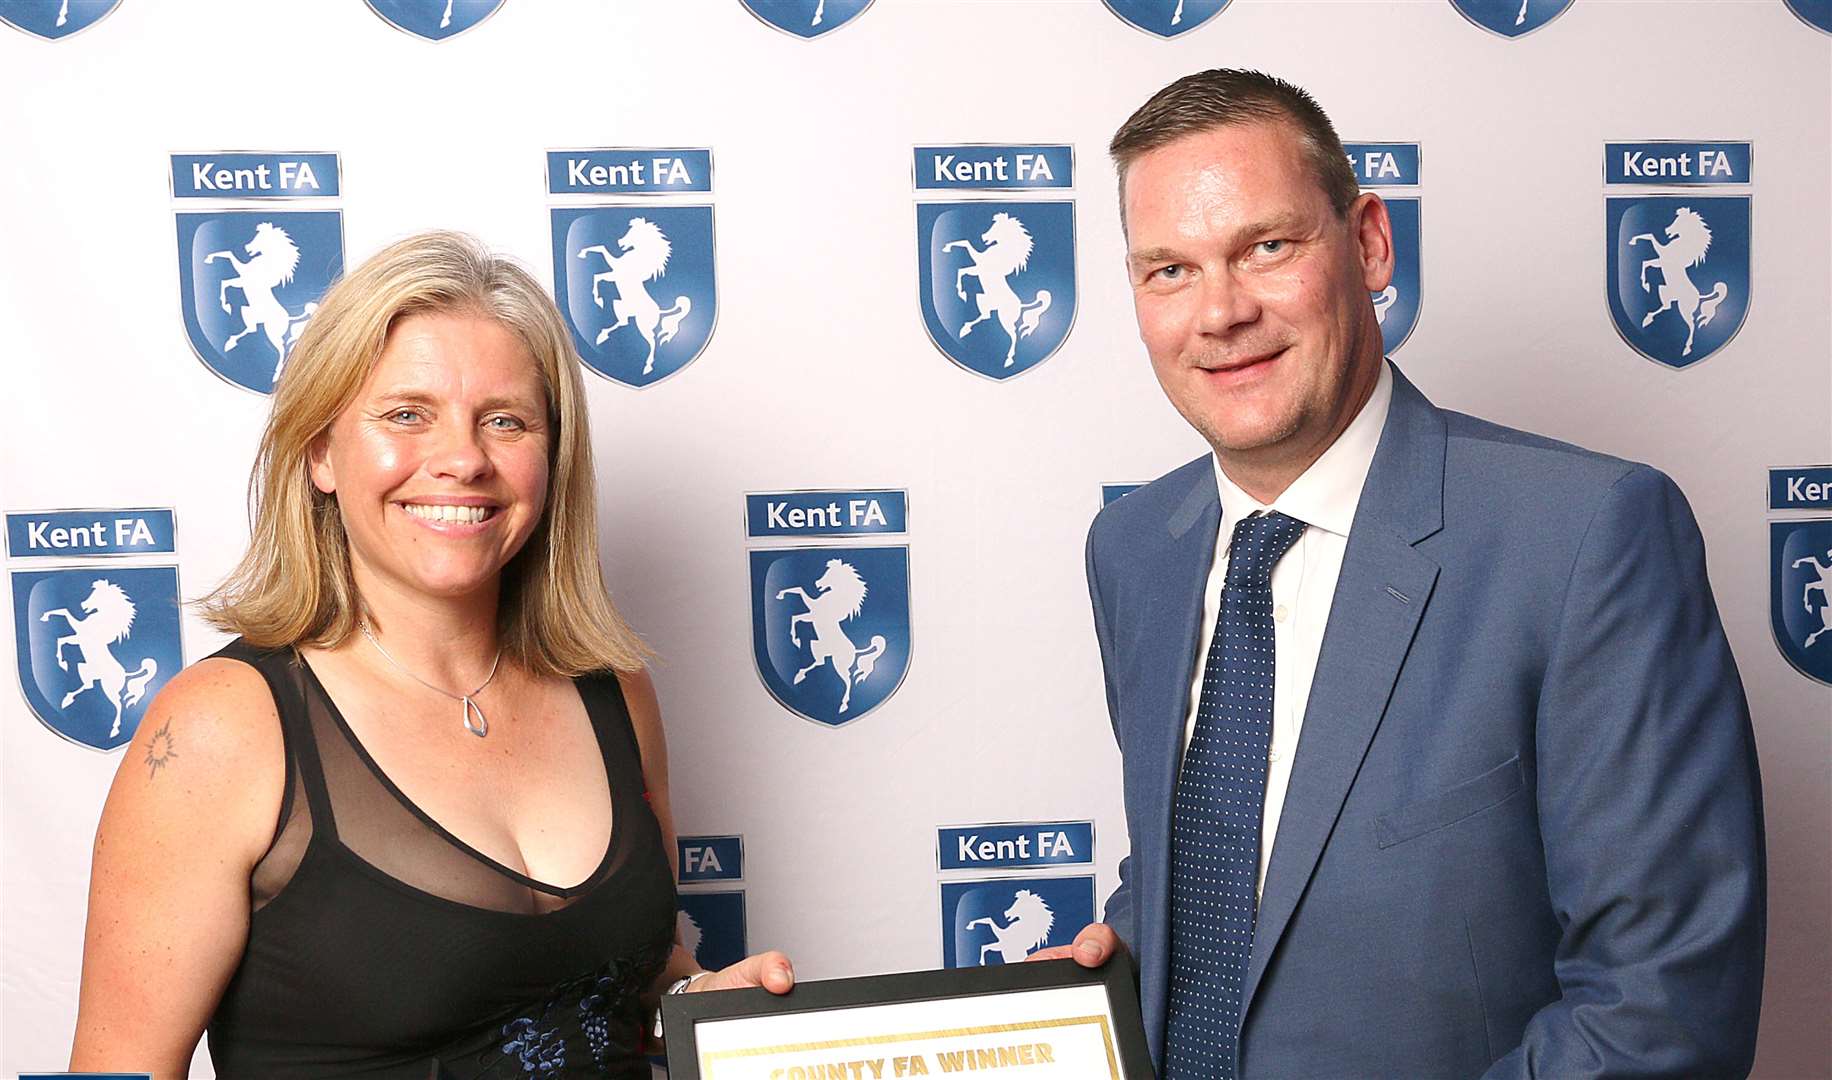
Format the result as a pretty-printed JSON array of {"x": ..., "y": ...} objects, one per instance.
[{"x": 1225, "y": 303}]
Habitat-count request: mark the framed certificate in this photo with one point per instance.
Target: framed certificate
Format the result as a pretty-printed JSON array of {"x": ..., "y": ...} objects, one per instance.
[{"x": 1034, "y": 1021}]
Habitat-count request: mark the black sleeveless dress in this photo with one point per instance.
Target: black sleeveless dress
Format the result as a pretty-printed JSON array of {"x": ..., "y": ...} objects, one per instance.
[{"x": 382, "y": 946}]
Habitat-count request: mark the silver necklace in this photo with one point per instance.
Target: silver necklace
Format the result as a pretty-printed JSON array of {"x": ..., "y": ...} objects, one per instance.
[{"x": 471, "y": 708}]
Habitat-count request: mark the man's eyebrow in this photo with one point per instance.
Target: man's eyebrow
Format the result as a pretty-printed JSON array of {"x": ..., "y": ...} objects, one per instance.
[
  {"x": 1151, "y": 255},
  {"x": 1277, "y": 224}
]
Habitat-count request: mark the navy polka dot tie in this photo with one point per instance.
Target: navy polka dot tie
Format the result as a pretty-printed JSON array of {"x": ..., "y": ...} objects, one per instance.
[{"x": 1215, "y": 818}]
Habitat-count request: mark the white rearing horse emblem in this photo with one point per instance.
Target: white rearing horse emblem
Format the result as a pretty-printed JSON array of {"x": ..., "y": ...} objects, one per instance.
[
  {"x": 1027, "y": 925},
  {"x": 1824, "y": 585},
  {"x": 1008, "y": 251},
  {"x": 645, "y": 257},
  {"x": 841, "y": 595},
  {"x": 1688, "y": 239},
  {"x": 111, "y": 618},
  {"x": 273, "y": 258}
]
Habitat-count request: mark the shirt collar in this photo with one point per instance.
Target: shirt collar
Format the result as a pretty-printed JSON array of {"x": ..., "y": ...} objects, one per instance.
[{"x": 1326, "y": 494}]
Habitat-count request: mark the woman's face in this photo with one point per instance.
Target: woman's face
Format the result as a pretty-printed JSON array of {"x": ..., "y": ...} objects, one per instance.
[{"x": 440, "y": 464}]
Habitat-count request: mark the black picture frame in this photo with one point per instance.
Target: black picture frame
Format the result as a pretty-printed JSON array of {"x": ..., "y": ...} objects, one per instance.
[{"x": 682, "y": 1012}]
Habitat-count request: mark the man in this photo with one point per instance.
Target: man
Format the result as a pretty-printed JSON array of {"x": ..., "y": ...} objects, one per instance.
[{"x": 1436, "y": 760}]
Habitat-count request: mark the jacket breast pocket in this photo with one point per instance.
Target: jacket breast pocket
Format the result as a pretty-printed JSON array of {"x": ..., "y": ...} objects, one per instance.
[{"x": 1448, "y": 807}]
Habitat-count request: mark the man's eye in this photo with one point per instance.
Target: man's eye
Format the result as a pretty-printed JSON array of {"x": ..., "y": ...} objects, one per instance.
[
  {"x": 1168, "y": 273},
  {"x": 1271, "y": 247}
]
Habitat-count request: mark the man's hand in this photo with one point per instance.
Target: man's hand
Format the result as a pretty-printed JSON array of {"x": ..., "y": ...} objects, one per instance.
[
  {"x": 770, "y": 970},
  {"x": 1094, "y": 946}
]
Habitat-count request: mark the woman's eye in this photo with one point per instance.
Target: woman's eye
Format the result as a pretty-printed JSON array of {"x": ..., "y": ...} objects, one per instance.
[
  {"x": 404, "y": 416},
  {"x": 504, "y": 423}
]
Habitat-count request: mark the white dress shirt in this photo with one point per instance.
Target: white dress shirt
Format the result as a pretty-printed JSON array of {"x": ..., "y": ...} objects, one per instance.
[{"x": 1324, "y": 497}]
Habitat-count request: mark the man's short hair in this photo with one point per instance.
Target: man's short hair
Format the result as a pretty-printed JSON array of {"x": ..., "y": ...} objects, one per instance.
[{"x": 1222, "y": 97}]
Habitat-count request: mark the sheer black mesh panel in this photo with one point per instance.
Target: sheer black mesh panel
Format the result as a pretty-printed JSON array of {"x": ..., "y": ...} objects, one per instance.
[
  {"x": 378, "y": 825},
  {"x": 292, "y": 835}
]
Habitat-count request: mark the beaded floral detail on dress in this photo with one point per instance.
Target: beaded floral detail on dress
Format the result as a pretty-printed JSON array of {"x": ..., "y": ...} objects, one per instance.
[{"x": 588, "y": 1026}]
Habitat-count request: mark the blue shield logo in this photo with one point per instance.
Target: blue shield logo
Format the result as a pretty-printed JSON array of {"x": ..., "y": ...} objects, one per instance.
[
  {"x": 1678, "y": 273},
  {"x": 249, "y": 281},
  {"x": 1510, "y": 18},
  {"x": 806, "y": 18},
  {"x": 636, "y": 285},
  {"x": 1800, "y": 601},
  {"x": 830, "y": 627},
  {"x": 1166, "y": 18},
  {"x": 1397, "y": 306},
  {"x": 711, "y": 927},
  {"x": 997, "y": 281},
  {"x": 1004, "y": 921},
  {"x": 1815, "y": 13},
  {"x": 54, "y": 19},
  {"x": 94, "y": 645},
  {"x": 434, "y": 20}
]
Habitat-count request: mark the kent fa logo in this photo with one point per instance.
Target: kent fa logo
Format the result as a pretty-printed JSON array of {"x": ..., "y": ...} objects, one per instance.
[
  {"x": 1678, "y": 265},
  {"x": 1166, "y": 18},
  {"x": 434, "y": 20},
  {"x": 711, "y": 927},
  {"x": 1800, "y": 601},
  {"x": 55, "y": 19},
  {"x": 806, "y": 18},
  {"x": 830, "y": 626},
  {"x": 94, "y": 645},
  {"x": 1510, "y": 18},
  {"x": 996, "y": 279},
  {"x": 637, "y": 282},
  {"x": 249, "y": 280},
  {"x": 1815, "y": 13},
  {"x": 1800, "y": 568},
  {"x": 1005, "y": 920},
  {"x": 1394, "y": 165}
]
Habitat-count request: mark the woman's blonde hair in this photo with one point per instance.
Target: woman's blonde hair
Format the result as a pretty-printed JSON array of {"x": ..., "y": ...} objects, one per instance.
[{"x": 293, "y": 586}]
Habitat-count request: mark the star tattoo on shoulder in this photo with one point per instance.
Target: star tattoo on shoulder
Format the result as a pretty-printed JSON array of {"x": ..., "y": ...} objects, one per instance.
[{"x": 160, "y": 751}]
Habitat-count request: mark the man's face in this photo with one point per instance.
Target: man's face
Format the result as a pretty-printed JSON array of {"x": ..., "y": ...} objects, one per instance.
[{"x": 1252, "y": 293}]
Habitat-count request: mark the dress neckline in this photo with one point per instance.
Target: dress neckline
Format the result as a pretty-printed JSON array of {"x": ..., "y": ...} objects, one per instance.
[{"x": 566, "y": 892}]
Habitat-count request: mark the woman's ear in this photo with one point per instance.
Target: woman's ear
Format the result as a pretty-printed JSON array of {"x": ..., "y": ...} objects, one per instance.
[{"x": 318, "y": 464}]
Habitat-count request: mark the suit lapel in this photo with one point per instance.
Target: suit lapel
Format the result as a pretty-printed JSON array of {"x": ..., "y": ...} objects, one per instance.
[
  {"x": 1380, "y": 596},
  {"x": 1172, "y": 624}
]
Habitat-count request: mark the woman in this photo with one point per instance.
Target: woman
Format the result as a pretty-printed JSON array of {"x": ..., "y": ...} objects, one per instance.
[{"x": 414, "y": 820}]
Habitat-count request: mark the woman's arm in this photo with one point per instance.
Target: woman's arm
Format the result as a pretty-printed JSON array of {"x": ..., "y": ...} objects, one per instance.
[
  {"x": 769, "y": 970},
  {"x": 193, "y": 807}
]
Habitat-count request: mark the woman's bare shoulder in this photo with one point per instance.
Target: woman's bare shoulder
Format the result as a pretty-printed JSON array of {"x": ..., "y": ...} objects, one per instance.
[{"x": 208, "y": 754}]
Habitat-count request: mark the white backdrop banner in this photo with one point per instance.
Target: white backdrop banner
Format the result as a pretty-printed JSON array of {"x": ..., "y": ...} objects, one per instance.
[{"x": 892, "y": 356}]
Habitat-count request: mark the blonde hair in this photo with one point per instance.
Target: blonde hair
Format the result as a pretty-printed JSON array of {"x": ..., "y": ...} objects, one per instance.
[{"x": 294, "y": 586}]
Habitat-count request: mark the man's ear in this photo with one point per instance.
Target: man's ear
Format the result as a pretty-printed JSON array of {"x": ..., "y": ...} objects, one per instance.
[
  {"x": 1373, "y": 230},
  {"x": 318, "y": 464}
]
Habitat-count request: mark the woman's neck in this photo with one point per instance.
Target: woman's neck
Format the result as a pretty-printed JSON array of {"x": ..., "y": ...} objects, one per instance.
[{"x": 447, "y": 641}]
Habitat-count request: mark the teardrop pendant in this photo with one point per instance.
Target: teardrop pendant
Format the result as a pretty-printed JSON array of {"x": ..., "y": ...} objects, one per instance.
[{"x": 482, "y": 726}]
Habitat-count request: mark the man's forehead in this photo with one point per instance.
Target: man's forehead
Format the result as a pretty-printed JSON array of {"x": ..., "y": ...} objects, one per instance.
[
  {"x": 1254, "y": 169},
  {"x": 1225, "y": 147}
]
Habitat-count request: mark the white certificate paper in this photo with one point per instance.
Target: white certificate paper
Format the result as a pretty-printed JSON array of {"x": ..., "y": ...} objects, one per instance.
[{"x": 1048, "y": 1034}]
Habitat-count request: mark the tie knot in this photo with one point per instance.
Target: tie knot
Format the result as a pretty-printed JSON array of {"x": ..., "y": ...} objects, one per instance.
[{"x": 1260, "y": 541}]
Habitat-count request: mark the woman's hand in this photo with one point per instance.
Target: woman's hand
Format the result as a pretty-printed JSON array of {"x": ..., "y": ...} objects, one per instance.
[{"x": 770, "y": 970}]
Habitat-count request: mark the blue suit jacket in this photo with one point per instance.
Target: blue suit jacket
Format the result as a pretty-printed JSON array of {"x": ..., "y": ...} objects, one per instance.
[{"x": 1523, "y": 832}]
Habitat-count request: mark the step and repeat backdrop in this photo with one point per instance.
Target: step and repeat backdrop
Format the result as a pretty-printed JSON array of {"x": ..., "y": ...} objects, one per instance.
[{"x": 847, "y": 280}]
